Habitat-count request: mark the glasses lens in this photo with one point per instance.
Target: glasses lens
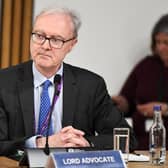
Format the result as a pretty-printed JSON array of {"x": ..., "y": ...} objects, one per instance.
[
  {"x": 38, "y": 38},
  {"x": 56, "y": 43}
]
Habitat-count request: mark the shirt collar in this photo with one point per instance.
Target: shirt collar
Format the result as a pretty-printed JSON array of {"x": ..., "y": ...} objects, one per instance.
[{"x": 39, "y": 79}]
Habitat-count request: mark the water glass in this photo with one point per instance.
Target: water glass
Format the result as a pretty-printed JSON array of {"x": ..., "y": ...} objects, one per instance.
[{"x": 121, "y": 141}]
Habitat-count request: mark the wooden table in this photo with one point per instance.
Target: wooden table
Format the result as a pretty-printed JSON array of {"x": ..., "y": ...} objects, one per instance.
[
  {"x": 9, "y": 163},
  {"x": 5, "y": 162},
  {"x": 146, "y": 164}
]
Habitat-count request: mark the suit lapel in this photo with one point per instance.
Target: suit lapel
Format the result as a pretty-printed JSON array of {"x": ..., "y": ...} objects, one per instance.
[
  {"x": 69, "y": 96},
  {"x": 26, "y": 95}
]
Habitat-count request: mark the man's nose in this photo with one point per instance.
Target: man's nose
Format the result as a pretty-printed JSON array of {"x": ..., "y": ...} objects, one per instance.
[{"x": 46, "y": 44}]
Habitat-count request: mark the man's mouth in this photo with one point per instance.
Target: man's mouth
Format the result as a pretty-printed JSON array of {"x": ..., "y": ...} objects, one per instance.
[{"x": 44, "y": 55}]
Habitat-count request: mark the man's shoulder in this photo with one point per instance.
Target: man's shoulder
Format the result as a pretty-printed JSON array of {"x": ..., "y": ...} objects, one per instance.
[
  {"x": 11, "y": 73},
  {"x": 81, "y": 72},
  {"x": 13, "y": 68}
]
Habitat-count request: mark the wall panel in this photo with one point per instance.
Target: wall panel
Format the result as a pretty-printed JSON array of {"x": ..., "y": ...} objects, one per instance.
[{"x": 15, "y": 31}]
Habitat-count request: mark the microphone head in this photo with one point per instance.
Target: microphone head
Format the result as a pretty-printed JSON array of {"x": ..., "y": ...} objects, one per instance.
[
  {"x": 57, "y": 79},
  {"x": 46, "y": 149}
]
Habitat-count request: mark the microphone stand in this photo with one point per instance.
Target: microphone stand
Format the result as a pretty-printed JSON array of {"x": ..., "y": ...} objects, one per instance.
[{"x": 57, "y": 81}]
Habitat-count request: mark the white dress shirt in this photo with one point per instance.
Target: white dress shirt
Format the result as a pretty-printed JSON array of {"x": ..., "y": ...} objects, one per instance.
[{"x": 39, "y": 79}]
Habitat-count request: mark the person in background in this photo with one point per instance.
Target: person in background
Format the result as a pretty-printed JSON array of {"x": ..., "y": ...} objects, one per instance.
[
  {"x": 83, "y": 114},
  {"x": 147, "y": 85}
]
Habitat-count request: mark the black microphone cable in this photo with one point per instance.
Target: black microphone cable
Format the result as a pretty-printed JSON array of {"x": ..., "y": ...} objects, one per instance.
[{"x": 57, "y": 81}]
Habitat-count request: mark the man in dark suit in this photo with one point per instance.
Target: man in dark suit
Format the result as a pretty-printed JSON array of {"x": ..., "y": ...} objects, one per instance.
[{"x": 83, "y": 114}]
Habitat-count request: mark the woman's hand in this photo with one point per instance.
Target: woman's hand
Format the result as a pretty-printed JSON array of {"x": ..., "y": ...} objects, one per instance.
[
  {"x": 147, "y": 109},
  {"x": 121, "y": 103}
]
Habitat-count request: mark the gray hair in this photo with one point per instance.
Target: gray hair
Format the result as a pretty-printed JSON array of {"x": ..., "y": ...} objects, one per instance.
[{"x": 73, "y": 15}]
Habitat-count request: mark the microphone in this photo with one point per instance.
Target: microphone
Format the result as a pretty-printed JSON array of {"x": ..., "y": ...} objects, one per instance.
[{"x": 57, "y": 81}]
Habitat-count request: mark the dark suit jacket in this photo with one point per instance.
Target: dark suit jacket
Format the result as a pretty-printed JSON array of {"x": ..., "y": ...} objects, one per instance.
[{"x": 86, "y": 106}]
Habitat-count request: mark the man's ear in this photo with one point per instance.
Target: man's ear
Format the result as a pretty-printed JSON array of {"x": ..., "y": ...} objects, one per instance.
[{"x": 73, "y": 43}]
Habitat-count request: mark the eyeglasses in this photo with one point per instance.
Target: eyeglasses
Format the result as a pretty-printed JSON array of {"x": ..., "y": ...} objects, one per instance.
[{"x": 53, "y": 41}]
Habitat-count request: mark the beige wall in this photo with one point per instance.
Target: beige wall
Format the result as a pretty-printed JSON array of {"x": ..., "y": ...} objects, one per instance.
[{"x": 115, "y": 34}]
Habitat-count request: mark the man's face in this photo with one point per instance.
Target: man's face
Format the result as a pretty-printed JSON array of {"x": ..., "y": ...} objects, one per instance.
[{"x": 57, "y": 26}]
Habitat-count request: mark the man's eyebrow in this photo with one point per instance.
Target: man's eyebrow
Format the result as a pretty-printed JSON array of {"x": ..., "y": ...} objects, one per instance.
[
  {"x": 57, "y": 37},
  {"x": 51, "y": 36}
]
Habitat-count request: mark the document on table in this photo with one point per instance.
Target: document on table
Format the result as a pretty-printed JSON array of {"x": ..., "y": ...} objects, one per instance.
[{"x": 138, "y": 158}]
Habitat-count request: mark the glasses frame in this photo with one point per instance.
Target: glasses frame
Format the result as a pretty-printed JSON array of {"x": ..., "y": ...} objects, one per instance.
[{"x": 49, "y": 40}]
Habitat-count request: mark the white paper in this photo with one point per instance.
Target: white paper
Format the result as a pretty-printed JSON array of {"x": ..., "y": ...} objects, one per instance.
[{"x": 138, "y": 158}]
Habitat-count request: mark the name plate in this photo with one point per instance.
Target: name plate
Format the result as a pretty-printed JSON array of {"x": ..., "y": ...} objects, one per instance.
[{"x": 83, "y": 159}]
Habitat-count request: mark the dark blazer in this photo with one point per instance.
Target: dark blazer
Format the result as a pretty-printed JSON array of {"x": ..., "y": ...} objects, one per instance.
[{"x": 86, "y": 106}]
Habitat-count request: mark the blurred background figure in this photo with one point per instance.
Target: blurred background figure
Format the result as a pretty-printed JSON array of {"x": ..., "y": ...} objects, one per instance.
[{"x": 147, "y": 85}]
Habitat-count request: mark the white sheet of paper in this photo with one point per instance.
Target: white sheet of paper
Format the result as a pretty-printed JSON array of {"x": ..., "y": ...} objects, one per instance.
[
  {"x": 148, "y": 124},
  {"x": 138, "y": 158}
]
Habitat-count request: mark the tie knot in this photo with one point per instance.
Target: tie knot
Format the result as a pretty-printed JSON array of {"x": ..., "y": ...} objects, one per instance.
[{"x": 46, "y": 84}]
